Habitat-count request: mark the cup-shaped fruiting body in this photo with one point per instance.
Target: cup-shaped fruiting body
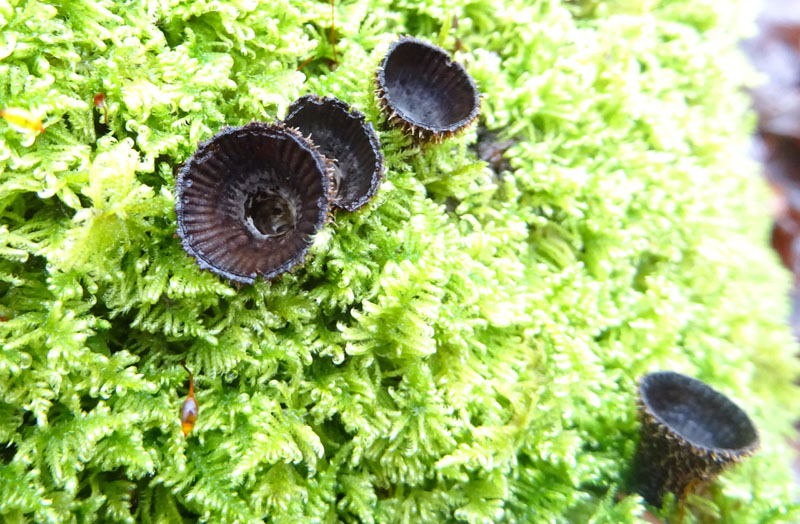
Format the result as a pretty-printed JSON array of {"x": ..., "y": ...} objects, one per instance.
[
  {"x": 689, "y": 434},
  {"x": 250, "y": 200},
  {"x": 424, "y": 92},
  {"x": 343, "y": 136}
]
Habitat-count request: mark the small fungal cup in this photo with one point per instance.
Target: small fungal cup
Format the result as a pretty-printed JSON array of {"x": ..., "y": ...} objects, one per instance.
[
  {"x": 424, "y": 92},
  {"x": 342, "y": 135},
  {"x": 689, "y": 434},
  {"x": 250, "y": 200}
]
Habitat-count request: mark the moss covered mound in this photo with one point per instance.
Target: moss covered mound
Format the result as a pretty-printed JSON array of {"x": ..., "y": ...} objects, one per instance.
[{"x": 464, "y": 349}]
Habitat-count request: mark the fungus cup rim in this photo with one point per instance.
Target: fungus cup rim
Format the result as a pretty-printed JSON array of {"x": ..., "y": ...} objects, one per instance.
[
  {"x": 210, "y": 147},
  {"x": 421, "y": 131},
  {"x": 697, "y": 387},
  {"x": 350, "y": 113}
]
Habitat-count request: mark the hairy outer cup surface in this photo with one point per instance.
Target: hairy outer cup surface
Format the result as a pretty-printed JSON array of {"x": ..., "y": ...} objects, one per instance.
[{"x": 689, "y": 434}]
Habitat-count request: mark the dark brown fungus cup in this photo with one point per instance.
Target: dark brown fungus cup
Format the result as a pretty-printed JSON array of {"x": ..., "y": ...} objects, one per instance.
[
  {"x": 689, "y": 434},
  {"x": 250, "y": 200},
  {"x": 424, "y": 92},
  {"x": 342, "y": 135}
]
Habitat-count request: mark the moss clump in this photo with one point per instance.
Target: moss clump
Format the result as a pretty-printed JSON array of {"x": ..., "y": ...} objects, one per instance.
[{"x": 463, "y": 349}]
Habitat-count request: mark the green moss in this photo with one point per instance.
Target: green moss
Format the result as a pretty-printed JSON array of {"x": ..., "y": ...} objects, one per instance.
[{"x": 465, "y": 349}]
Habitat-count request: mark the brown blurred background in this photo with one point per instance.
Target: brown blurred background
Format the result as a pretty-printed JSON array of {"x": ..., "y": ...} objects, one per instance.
[{"x": 775, "y": 52}]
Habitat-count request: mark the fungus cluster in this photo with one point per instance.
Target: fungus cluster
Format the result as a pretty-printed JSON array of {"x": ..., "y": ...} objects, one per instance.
[{"x": 251, "y": 198}]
